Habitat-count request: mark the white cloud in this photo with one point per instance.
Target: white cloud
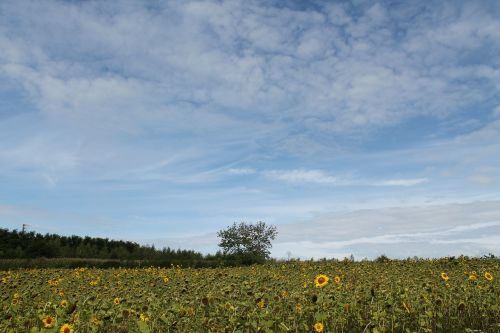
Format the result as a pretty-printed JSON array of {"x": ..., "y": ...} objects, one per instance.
[
  {"x": 187, "y": 92},
  {"x": 450, "y": 229},
  {"x": 399, "y": 232},
  {"x": 246, "y": 59},
  {"x": 241, "y": 171},
  {"x": 301, "y": 176},
  {"x": 402, "y": 182}
]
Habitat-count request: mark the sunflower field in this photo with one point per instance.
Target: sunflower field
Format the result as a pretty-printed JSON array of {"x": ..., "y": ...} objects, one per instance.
[{"x": 444, "y": 295}]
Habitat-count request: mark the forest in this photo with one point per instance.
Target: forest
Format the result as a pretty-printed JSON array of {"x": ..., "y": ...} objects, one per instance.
[{"x": 26, "y": 246}]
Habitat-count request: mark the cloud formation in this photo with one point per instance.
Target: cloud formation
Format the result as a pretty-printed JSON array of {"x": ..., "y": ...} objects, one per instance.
[
  {"x": 398, "y": 232},
  {"x": 194, "y": 114}
]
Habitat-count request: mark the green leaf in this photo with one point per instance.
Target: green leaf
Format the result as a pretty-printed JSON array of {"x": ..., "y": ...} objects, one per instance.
[
  {"x": 49, "y": 330},
  {"x": 164, "y": 319},
  {"x": 284, "y": 327},
  {"x": 320, "y": 316},
  {"x": 143, "y": 327}
]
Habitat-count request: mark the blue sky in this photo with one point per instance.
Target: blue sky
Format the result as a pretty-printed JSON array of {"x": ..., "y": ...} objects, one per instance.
[{"x": 356, "y": 127}]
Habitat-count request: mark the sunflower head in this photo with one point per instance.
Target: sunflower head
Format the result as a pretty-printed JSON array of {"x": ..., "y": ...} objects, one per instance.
[
  {"x": 66, "y": 328},
  {"x": 318, "y": 327},
  {"x": 48, "y": 322},
  {"x": 321, "y": 280},
  {"x": 488, "y": 276},
  {"x": 116, "y": 301},
  {"x": 444, "y": 277},
  {"x": 143, "y": 317},
  {"x": 261, "y": 303},
  {"x": 337, "y": 279}
]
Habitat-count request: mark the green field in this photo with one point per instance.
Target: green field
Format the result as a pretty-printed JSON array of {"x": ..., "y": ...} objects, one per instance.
[{"x": 444, "y": 295}]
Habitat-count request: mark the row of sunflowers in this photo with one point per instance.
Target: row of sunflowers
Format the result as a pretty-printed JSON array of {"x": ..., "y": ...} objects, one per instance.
[{"x": 329, "y": 296}]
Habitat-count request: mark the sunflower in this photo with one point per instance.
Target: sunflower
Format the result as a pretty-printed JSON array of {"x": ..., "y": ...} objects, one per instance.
[
  {"x": 318, "y": 327},
  {"x": 473, "y": 276},
  {"x": 321, "y": 280},
  {"x": 64, "y": 303},
  {"x": 116, "y": 301},
  {"x": 143, "y": 317},
  {"x": 488, "y": 276},
  {"x": 261, "y": 303},
  {"x": 48, "y": 322},
  {"x": 66, "y": 328},
  {"x": 444, "y": 276},
  {"x": 337, "y": 279}
]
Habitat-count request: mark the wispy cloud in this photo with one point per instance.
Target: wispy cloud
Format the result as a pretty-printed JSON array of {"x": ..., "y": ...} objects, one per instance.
[
  {"x": 402, "y": 182},
  {"x": 446, "y": 229},
  {"x": 194, "y": 114},
  {"x": 301, "y": 176},
  {"x": 242, "y": 171}
]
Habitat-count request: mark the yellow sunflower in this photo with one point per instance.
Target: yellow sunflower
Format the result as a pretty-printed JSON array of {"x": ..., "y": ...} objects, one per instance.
[
  {"x": 445, "y": 277},
  {"x": 143, "y": 317},
  {"x": 116, "y": 301},
  {"x": 64, "y": 303},
  {"x": 66, "y": 328},
  {"x": 321, "y": 280},
  {"x": 488, "y": 276},
  {"x": 48, "y": 322},
  {"x": 337, "y": 279},
  {"x": 261, "y": 303},
  {"x": 318, "y": 327}
]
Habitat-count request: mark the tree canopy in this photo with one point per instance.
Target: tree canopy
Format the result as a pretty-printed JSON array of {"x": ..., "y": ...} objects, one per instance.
[{"x": 251, "y": 243}]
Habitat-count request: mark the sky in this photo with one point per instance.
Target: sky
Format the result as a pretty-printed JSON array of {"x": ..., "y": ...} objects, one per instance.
[{"x": 356, "y": 127}]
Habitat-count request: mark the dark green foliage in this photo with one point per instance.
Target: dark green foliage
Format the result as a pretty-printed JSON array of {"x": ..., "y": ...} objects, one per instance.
[
  {"x": 247, "y": 243},
  {"x": 30, "y": 249},
  {"x": 382, "y": 258},
  {"x": 31, "y": 245}
]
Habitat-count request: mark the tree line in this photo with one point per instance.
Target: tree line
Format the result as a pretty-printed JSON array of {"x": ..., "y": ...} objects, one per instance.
[
  {"x": 241, "y": 244},
  {"x": 16, "y": 244}
]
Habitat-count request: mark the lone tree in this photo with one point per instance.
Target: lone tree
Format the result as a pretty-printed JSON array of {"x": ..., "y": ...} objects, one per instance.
[{"x": 247, "y": 243}]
